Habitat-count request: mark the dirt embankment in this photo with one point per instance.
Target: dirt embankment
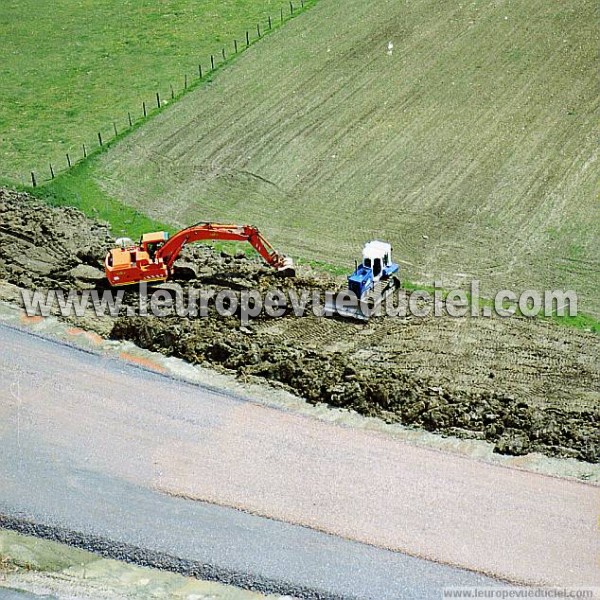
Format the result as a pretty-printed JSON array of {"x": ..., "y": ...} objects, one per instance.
[
  {"x": 41, "y": 246},
  {"x": 524, "y": 385}
]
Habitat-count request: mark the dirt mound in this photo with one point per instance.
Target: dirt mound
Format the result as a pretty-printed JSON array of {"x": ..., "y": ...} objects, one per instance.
[
  {"x": 41, "y": 246},
  {"x": 524, "y": 385}
]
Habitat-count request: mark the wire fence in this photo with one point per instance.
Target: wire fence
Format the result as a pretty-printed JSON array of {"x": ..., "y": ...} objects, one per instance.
[{"x": 188, "y": 81}]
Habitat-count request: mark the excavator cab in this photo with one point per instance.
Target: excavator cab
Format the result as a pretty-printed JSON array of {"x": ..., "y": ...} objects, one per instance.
[
  {"x": 152, "y": 242},
  {"x": 130, "y": 263}
]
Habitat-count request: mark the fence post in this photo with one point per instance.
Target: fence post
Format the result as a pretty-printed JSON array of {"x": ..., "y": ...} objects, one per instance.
[
  {"x": 144, "y": 107},
  {"x": 115, "y": 128},
  {"x": 302, "y": 3},
  {"x": 68, "y": 160},
  {"x": 258, "y": 29},
  {"x": 212, "y": 62},
  {"x": 84, "y": 151},
  {"x": 185, "y": 82},
  {"x": 129, "y": 118},
  {"x": 33, "y": 181},
  {"x": 235, "y": 46},
  {"x": 291, "y": 9},
  {"x": 223, "y": 53},
  {"x": 282, "y": 14},
  {"x": 270, "y": 24},
  {"x": 247, "y": 38},
  {"x": 200, "y": 71},
  {"x": 157, "y": 100},
  {"x": 51, "y": 171},
  {"x": 100, "y": 138}
]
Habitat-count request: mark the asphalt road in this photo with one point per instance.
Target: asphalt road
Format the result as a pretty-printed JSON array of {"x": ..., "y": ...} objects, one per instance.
[
  {"x": 8, "y": 594},
  {"x": 98, "y": 447}
]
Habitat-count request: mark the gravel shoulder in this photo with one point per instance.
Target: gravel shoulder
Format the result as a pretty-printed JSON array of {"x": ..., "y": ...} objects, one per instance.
[{"x": 55, "y": 571}]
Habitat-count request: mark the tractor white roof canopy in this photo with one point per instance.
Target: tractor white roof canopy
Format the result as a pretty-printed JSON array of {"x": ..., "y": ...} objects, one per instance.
[{"x": 376, "y": 249}]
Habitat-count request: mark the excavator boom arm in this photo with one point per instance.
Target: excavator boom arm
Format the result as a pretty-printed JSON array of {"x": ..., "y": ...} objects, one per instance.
[{"x": 217, "y": 231}]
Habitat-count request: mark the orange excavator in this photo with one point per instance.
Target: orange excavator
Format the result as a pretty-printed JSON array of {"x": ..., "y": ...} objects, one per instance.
[{"x": 153, "y": 258}]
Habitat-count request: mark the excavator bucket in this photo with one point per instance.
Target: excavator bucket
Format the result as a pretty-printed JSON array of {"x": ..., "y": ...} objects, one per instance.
[{"x": 287, "y": 268}]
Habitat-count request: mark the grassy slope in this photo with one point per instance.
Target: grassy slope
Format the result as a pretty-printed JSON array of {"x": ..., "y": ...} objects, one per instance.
[
  {"x": 478, "y": 132},
  {"x": 70, "y": 68}
]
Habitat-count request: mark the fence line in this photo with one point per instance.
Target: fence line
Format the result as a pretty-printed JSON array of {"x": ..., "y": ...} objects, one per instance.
[{"x": 147, "y": 112}]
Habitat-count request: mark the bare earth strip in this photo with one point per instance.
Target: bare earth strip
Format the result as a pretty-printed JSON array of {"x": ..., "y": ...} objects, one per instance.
[
  {"x": 526, "y": 385},
  {"x": 472, "y": 146},
  {"x": 357, "y": 484}
]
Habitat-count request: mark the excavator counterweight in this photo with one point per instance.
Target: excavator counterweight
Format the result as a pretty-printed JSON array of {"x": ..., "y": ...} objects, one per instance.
[{"x": 153, "y": 258}]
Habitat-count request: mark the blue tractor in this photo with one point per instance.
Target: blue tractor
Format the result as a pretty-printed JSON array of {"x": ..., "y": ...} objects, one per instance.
[
  {"x": 376, "y": 266},
  {"x": 374, "y": 279}
]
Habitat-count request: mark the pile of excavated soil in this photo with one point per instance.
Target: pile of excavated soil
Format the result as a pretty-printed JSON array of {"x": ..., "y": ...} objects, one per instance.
[
  {"x": 42, "y": 246},
  {"x": 522, "y": 384}
]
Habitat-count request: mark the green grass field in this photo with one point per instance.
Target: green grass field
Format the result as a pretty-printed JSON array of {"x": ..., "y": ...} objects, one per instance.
[
  {"x": 472, "y": 147},
  {"x": 71, "y": 69}
]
